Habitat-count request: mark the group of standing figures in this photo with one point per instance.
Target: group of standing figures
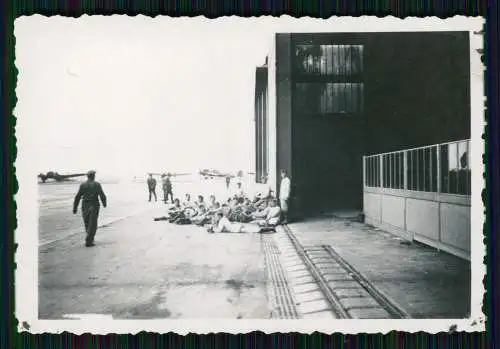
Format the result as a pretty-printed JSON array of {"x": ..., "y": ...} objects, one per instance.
[{"x": 166, "y": 184}]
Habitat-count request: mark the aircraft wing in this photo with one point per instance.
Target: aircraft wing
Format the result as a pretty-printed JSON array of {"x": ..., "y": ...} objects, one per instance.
[
  {"x": 216, "y": 174},
  {"x": 73, "y": 175},
  {"x": 171, "y": 173}
]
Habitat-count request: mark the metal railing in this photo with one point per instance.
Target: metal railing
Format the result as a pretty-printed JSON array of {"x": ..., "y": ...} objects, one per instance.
[{"x": 439, "y": 168}]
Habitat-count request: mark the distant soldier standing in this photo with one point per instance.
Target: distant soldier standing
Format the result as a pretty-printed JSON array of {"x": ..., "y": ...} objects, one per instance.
[
  {"x": 167, "y": 189},
  {"x": 152, "y": 186},
  {"x": 164, "y": 187},
  {"x": 284, "y": 195},
  {"x": 90, "y": 191}
]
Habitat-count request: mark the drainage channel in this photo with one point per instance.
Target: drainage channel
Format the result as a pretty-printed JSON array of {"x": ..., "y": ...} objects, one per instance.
[
  {"x": 281, "y": 301},
  {"x": 304, "y": 291},
  {"x": 347, "y": 293}
]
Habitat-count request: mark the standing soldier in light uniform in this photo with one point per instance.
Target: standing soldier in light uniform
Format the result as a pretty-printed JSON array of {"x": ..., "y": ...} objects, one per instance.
[
  {"x": 284, "y": 195},
  {"x": 90, "y": 191}
]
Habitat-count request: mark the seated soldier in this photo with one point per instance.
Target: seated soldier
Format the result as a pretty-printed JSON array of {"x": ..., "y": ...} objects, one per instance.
[
  {"x": 223, "y": 225},
  {"x": 172, "y": 211},
  {"x": 212, "y": 202},
  {"x": 263, "y": 200},
  {"x": 187, "y": 201},
  {"x": 210, "y": 214},
  {"x": 176, "y": 206},
  {"x": 210, "y": 210},
  {"x": 249, "y": 206},
  {"x": 189, "y": 213},
  {"x": 187, "y": 210},
  {"x": 236, "y": 213},
  {"x": 240, "y": 193},
  {"x": 257, "y": 198},
  {"x": 270, "y": 216},
  {"x": 176, "y": 202},
  {"x": 190, "y": 208},
  {"x": 201, "y": 201},
  {"x": 262, "y": 209},
  {"x": 214, "y": 217},
  {"x": 176, "y": 212},
  {"x": 200, "y": 215},
  {"x": 243, "y": 211}
]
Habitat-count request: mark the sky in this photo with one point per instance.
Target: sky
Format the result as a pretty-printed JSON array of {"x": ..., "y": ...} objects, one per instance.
[
  {"x": 133, "y": 95},
  {"x": 130, "y": 95}
]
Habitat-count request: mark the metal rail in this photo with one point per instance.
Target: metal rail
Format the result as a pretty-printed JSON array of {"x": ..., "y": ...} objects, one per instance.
[
  {"x": 337, "y": 308},
  {"x": 323, "y": 263},
  {"x": 385, "y": 301}
]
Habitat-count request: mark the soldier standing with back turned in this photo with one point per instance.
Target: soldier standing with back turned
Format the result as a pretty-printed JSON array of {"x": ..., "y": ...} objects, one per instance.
[{"x": 90, "y": 191}]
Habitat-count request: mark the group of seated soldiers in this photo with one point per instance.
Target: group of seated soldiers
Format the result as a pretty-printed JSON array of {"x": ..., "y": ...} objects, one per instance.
[{"x": 239, "y": 214}]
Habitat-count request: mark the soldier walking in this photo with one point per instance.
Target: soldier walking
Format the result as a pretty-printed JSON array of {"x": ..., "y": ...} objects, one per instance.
[
  {"x": 90, "y": 191},
  {"x": 152, "y": 186}
]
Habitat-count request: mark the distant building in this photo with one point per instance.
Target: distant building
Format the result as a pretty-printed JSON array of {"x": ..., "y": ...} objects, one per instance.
[{"x": 325, "y": 100}]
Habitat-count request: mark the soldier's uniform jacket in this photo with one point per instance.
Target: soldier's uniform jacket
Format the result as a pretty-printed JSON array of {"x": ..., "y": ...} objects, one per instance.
[
  {"x": 151, "y": 183},
  {"x": 90, "y": 192},
  {"x": 167, "y": 184}
]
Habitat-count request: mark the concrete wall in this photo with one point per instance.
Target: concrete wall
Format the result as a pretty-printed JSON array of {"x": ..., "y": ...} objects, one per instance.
[
  {"x": 271, "y": 116},
  {"x": 440, "y": 221},
  {"x": 261, "y": 124},
  {"x": 284, "y": 104}
]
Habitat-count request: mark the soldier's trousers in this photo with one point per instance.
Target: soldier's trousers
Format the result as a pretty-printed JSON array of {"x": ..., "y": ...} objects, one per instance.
[
  {"x": 152, "y": 191},
  {"x": 167, "y": 193},
  {"x": 90, "y": 216}
]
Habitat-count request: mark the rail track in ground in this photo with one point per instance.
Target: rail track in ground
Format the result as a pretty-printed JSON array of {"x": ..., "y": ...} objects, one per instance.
[{"x": 323, "y": 284}]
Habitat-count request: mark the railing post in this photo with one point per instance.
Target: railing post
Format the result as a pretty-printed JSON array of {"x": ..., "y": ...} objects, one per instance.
[
  {"x": 364, "y": 172},
  {"x": 381, "y": 170},
  {"x": 405, "y": 170},
  {"x": 438, "y": 169},
  {"x": 438, "y": 190},
  {"x": 390, "y": 176}
]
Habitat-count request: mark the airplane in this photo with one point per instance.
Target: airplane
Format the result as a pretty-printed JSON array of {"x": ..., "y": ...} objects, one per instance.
[
  {"x": 169, "y": 173},
  {"x": 58, "y": 177},
  {"x": 206, "y": 173}
]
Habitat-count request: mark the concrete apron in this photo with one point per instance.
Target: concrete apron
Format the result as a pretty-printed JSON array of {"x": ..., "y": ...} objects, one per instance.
[
  {"x": 103, "y": 223},
  {"x": 321, "y": 288}
]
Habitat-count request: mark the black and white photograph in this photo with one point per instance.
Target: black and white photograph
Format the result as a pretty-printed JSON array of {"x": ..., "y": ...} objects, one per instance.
[{"x": 236, "y": 174}]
